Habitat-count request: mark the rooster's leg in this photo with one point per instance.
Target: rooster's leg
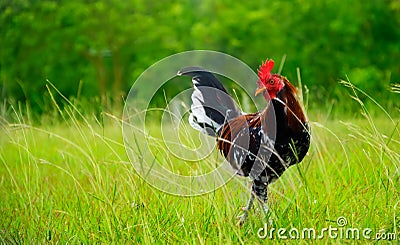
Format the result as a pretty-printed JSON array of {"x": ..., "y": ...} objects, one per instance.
[
  {"x": 260, "y": 188},
  {"x": 243, "y": 217},
  {"x": 265, "y": 207}
]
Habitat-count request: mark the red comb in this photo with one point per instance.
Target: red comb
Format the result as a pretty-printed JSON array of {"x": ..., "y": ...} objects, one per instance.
[{"x": 264, "y": 72}]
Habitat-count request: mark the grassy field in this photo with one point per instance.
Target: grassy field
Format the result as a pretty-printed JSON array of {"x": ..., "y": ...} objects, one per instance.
[{"x": 70, "y": 181}]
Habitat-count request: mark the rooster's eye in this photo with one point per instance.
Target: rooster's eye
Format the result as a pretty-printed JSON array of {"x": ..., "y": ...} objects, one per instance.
[{"x": 271, "y": 81}]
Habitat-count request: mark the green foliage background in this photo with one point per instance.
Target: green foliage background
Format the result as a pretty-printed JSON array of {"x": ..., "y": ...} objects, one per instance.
[{"x": 107, "y": 44}]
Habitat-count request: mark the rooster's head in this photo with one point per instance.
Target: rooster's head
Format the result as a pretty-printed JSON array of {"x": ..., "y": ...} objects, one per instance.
[{"x": 269, "y": 84}]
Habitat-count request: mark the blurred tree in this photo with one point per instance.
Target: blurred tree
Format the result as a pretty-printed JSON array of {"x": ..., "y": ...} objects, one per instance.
[{"x": 107, "y": 44}]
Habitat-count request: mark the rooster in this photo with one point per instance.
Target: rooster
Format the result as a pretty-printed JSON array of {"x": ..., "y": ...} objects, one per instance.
[{"x": 259, "y": 145}]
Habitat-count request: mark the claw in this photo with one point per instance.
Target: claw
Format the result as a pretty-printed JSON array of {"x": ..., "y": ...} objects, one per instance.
[{"x": 242, "y": 219}]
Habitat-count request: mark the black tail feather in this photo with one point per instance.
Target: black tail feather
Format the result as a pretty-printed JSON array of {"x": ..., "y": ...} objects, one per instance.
[{"x": 211, "y": 104}]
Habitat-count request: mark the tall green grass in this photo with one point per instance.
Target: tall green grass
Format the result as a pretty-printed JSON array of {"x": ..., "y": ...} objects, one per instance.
[{"x": 70, "y": 181}]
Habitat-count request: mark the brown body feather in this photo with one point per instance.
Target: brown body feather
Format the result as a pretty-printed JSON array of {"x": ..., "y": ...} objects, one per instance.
[
  {"x": 295, "y": 119},
  {"x": 295, "y": 114},
  {"x": 233, "y": 127}
]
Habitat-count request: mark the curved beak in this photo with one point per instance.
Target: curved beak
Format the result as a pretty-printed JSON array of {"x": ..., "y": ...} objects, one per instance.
[{"x": 260, "y": 90}]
